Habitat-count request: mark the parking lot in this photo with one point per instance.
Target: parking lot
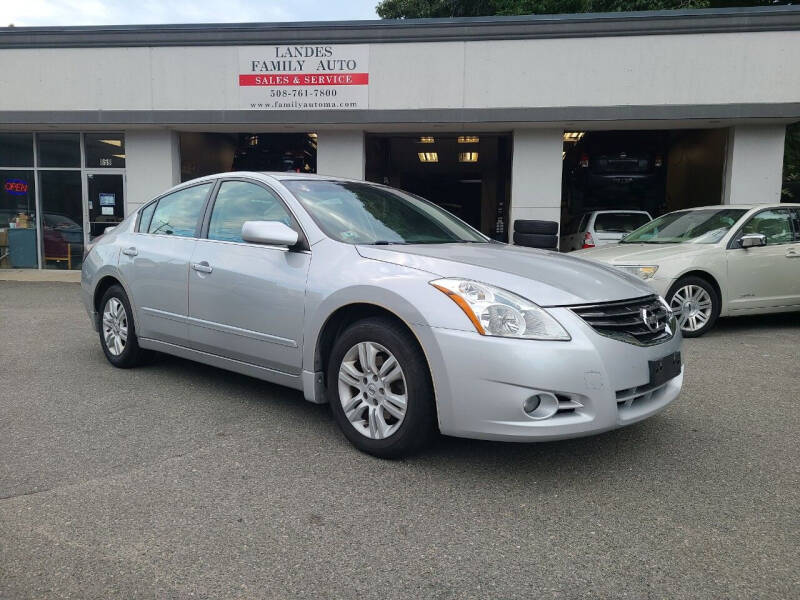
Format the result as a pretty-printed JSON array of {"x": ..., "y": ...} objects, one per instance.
[{"x": 178, "y": 480}]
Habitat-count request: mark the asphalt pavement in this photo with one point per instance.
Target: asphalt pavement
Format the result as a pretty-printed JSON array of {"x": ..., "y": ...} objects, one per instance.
[{"x": 178, "y": 480}]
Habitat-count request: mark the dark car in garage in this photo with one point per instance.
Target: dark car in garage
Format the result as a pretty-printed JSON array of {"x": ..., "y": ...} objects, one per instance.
[{"x": 616, "y": 170}]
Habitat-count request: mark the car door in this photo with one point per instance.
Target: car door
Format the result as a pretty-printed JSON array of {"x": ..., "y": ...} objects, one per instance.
[
  {"x": 246, "y": 301},
  {"x": 154, "y": 263},
  {"x": 765, "y": 276}
]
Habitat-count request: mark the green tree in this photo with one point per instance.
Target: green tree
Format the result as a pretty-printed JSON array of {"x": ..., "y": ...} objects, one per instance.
[{"x": 420, "y": 9}]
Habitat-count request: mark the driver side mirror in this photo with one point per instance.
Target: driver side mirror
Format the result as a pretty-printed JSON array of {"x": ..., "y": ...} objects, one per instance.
[
  {"x": 271, "y": 233},
  {"x": 752, "y": 240}
]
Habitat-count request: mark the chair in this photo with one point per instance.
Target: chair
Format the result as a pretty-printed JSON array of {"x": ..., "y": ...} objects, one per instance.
[{"x": 56, "y": 248}]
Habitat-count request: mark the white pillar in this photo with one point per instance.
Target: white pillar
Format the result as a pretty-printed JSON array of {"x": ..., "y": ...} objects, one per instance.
[
  {"x": 536, "y": 175},
  {"x": 152, "y": 164},
  {"x": 754, "y": 164},
  {"x": 341, "y": 153}
]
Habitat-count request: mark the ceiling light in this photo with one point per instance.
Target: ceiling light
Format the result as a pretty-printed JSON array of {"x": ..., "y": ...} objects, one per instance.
[
  {"x": 313, "y": 136},
  {"x": 573, "y": 136},
  {"x": 117, "y": 143},
  {"x": 470, "y": 157},
  {"x": 118, "y": 155},
  {"x": 468, "y": 139},
  {"x": 426, "y": 139},
  {"x": 428, "y": 157}
]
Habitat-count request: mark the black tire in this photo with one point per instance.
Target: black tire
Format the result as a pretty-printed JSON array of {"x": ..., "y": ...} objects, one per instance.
[
  {"x": 418, "y": 426},
  {"x": 536, "y": 240},
  {"x": 540, "y": 227},
  {"x": 716, "y": 304},
  {"x": 131, "y": 355}
]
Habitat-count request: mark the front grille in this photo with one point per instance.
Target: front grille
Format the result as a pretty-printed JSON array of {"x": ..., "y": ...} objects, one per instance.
[{"x": 642, "y": 321}]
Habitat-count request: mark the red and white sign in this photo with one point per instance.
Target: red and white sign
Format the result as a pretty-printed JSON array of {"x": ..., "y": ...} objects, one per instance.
[{"x": 304, "y": 77}]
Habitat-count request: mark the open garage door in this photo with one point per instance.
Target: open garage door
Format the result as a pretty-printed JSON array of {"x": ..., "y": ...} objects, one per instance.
[
  {"x": 654, "y": 171},
  {"x": 469, "y": 175}
]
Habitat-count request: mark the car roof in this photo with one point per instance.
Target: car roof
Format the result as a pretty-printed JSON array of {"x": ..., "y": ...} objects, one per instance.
[
  {"x": 742, "y": 206},
  {"x": 619, "y": 210}
]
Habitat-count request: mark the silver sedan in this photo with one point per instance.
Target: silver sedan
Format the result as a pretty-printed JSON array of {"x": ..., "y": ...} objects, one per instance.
[{"x": 402, "y": 317}]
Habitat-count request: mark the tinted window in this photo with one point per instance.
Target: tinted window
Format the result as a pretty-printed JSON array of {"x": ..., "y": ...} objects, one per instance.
[
  {"x": 147, "y": 215},
  {"x": 774, "y": 224},
  {"x": 795, "y": 216},
  {"x": 360, "y": 213},
  {"x": 179, "y": 212},
  {"x": 239, "y": 201},
  {"x": 619, "y": 222},
  {"x": 584, "y": 222},
  {"x": 16, "y": 150},
  {"x": 59, "y": 149},
  {"x": 104, "y": 150}
]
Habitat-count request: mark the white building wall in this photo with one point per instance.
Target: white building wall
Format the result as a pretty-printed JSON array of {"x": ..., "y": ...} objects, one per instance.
[
  {"x": 152, "y": 165},
  {"x": 536, "y": 175},
  {"x": 754, "y": 164},
  {"x": 723, "y": 68},
  {"x": 341, "y": 153}
]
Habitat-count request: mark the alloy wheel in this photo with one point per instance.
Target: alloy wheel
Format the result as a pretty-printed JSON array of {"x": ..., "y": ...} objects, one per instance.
[
  {"x": 372, "y": 390},
  {"x": 692, "y": 306},
  {"x": 115, "y": 326}
]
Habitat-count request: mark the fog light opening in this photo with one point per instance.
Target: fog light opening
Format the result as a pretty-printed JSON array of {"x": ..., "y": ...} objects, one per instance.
[{"x": 540, "y": 406}]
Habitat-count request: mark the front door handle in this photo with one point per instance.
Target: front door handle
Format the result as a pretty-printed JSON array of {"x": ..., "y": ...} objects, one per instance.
[
  {"x": 130, "y": 251},
  {"x": 202, "y": 267}
]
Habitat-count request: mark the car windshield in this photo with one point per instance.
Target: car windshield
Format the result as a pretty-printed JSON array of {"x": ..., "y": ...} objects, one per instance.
[
  {"x": 705, "y": 226},
  {"x": 360, "y": 213},
  {"x": 619, "y": 222}
]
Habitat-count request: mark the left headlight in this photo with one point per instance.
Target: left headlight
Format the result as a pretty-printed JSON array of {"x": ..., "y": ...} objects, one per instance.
[
  {"x": 497, "y": 312},
  {"x": 641, "y": 271}
]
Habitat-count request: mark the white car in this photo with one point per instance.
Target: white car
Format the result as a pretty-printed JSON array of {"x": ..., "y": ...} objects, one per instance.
[
  {"x": 716, "y": 261},
  {"x": 601, "y": 227}
]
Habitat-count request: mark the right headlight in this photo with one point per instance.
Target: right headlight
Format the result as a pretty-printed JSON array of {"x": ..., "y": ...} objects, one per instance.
[
  {"x": 497, "y": 312},
  {"x": 641, "y": 271}
]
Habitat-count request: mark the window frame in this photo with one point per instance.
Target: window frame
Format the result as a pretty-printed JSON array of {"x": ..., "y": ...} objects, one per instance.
[
  {"x": 302, "y": 240},
  {"x": 158, "y": 199},
  {"x": 733, "y": 243}
]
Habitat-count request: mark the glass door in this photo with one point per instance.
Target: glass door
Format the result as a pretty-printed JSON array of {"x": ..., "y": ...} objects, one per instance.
[{"x": 105, "y": 202}]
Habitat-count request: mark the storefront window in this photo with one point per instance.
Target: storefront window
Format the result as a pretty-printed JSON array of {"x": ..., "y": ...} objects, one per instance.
[
  {"x": 104, "y": 150},
  {"x": 62, "y": 219},
  {"x": 59, "y": 149},
  {"x": 17, "y": 219},
  {"x": 16, "y": 150}
]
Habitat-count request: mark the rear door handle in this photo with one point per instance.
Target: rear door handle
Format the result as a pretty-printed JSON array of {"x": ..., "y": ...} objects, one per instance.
[
  {"x": 130, "y": 251},
  {"x": 202, "y": 267}
]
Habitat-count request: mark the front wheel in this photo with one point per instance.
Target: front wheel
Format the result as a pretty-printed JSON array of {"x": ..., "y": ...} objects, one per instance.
[
  {"x": 696, "y": 305},
  {"x": 380, "y": 390}
]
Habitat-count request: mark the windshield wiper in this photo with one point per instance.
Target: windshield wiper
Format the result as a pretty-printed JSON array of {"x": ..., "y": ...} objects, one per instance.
[{"x": 385, "y": 243}]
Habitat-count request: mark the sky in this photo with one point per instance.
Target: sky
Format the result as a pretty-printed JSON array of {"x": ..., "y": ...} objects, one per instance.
[{"x": 117, "y": 12}]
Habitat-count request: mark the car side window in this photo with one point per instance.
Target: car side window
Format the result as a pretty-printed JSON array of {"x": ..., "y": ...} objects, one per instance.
[
  {"x": 584, "y": 224},
  {"x": 774, "y": 224},
  {"x": 795, "y": 215},
  {"x": 240, "y": 201},
  {"x": 146, "y": 217},
  {"x": 178, "y": 213}
]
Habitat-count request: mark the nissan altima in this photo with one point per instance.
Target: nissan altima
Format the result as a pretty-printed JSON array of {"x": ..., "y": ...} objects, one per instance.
[{"x": 401, "y": 316}]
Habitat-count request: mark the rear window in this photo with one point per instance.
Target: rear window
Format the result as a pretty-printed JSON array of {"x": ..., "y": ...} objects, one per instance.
[{"x": 619, "y": 222}]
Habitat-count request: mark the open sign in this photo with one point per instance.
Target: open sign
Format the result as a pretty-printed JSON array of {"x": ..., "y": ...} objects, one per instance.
[{"x": 16, "y": 186}]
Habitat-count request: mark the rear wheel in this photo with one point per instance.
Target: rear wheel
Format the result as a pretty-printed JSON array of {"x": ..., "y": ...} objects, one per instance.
[
  {"x": 118, "y": 331},
  {"x": 380, "y": 390},
  {"x": 696, "y": 305}
]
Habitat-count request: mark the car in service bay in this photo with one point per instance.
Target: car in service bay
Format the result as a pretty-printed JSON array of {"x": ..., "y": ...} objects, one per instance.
[
  {"x": 401, "y": 316},
  {"x": 713, "y": 261}
]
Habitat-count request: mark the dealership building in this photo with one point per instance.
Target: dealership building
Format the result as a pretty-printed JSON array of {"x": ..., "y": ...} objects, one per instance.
[{"x": 495, "y": 119}]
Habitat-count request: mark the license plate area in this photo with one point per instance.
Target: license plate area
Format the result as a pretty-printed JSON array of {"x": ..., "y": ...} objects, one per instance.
[{"x": 664, "y": 369}]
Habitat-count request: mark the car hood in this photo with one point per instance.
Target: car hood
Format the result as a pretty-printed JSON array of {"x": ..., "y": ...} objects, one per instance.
[
  {"x": 547, "y": 278},
  {"x": 639, "y": 254}
]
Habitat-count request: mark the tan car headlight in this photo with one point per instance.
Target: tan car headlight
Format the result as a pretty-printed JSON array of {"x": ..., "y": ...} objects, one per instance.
[{"x": 641, "y": 271}]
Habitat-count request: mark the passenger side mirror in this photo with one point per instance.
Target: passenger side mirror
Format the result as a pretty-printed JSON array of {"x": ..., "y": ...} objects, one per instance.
[
  {"x": 752, "y": 240},
  {"x": 271, "y": 233},
  {"x": 109, "y": 229}
]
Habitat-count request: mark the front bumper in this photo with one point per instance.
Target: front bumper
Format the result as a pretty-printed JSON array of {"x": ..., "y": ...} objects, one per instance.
[{"x": 482, "y": 382}]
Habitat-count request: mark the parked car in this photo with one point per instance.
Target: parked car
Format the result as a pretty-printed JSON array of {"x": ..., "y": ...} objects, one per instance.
[
  {"x": 616, "y": 169},
  {"x": 716, "y": 261},
  {"x": 601, "y": 227},
  {"x": 401, "y": 316}
]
